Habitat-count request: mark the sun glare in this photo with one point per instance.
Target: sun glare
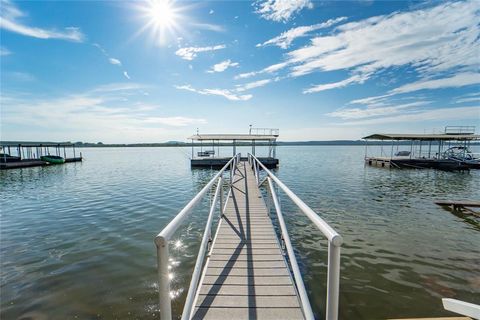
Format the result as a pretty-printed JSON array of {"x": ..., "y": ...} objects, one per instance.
[
  {"x": 162, "y": 13},
  {"x": 162, "y": 19}
]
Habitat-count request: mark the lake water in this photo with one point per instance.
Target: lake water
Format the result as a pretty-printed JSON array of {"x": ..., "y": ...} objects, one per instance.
[{"x": 77, "y": 239}]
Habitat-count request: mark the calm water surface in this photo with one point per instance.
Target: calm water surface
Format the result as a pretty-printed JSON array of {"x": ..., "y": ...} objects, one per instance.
[{"x": 77, "y": 239}]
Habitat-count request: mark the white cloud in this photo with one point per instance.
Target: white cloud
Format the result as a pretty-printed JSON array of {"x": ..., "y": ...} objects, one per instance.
[
  {"x": 435, "y": 43},
  {"x": 358, "y": 113},
  {"x": 458, "y": 80},
  {"x": 450, "y": 114},
  {"x": 229, "y": 94},
  {"x": 126, "y": 75},
  {"x": 115, "y": 61},
  {"x": 190, "y": 53},
  {"x": 271, "y": 69},
  {"x": 339, "y": 84},
  {"x": 431, "y": 40},
  {"x": 280, "y": 10},
  {"x": 471, "y": 97},
  {"x": 286, "y": 38},
  {"x": 175, "y": 121},
  {"x": 222, "y": 66},
  {"x": 455, "y": 81},
  {"x": 207, "y": 26},
  {"x": 251, "y": 85},
  {"x": 96, "y": 115},
  {"x": 4, "y": 51},
  {"x": 211, "y": 11},
  {"x": 9, "y": 20}
]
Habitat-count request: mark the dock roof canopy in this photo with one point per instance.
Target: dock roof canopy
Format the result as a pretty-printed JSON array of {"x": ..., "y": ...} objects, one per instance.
[
  {"x": 430, "y": 137},
  {"x": 231, "y": 137},
  {"x": 30, "y": 144}
]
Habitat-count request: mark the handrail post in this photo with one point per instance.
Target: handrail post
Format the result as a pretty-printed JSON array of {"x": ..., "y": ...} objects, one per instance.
[
  {"x": 333, "y": 281},
  {"x": 163, "y": 278},
  {"x": 220, "y": 181}
]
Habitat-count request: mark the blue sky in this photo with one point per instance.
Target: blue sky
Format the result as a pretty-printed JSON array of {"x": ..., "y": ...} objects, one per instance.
[{"x": 153, "y": 71}]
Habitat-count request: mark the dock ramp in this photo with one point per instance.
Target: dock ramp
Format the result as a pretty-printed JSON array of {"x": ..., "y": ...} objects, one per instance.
[{"x": 245, "y": 271}]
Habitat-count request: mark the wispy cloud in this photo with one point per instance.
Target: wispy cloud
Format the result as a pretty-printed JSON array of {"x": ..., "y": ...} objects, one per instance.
[
  {"x": 11, "y": 15},
  {"x": 222, "y": 66},
  {"x": 229, "y": 94},
  {"x": 190, "y": 53},
  {"x": 251, "y": 85},
  {"x": 437, "y": 42},
  {"x": 375, "y": 111},
  {"x": 111, "y": 60},
  {"x": 4, "y": 51},
  {"x": 280, "y": 10},
  {"x": 455, "y": 81},
  {"x": 19, "y": 76},
  {"x": 270, "y": 69},
  {"x": 340, "y": 84},
  {"x": 115, "y": 61},
  {"x": 99, "y": 113},
  {"x": 208, "y": 26},
  {"x": 471, "y": 97},
  {"x": 175, "y": 121},
  {"x": 450, "y": 114},
  {"x": 285, "y": 39}
]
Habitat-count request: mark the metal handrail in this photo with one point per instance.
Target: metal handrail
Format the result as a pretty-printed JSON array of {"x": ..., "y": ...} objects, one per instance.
[
  {"x": 161, "y": 242},
  {"x": 334, "y": 243}
]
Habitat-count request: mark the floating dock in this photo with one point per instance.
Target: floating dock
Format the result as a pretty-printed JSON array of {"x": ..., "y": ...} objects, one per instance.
[
  {"x": 16, "y": 155},
  {"x": 461, "y": 205},
  {"x": 206, "y": 147}
]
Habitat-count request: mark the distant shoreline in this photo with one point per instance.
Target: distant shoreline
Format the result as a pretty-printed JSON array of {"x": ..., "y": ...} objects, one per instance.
[
  {"x": 247, "y": 144},
  {"x": 207, "y": 144}
]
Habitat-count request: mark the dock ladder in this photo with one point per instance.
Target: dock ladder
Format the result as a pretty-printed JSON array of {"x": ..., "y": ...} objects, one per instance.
[{"x": 245, "y": 271}]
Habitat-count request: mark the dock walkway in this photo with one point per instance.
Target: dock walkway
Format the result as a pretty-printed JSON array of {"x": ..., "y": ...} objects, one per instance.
[{"x": 246, "y": 275}]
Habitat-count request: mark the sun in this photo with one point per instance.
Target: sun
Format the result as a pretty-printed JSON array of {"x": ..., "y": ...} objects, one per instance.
[
  {"x": 162, "y": 19},
  {"x": 162, "y": 13}
]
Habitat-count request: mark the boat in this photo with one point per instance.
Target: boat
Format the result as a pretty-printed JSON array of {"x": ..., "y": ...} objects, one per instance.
[
  {"x": 463, "y": 155},
  {"x": 5, "y": 157},
  {"x": 53, "y": 159}
]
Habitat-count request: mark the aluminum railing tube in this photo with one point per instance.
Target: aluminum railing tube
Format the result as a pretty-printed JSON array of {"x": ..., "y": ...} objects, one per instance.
[
  {"x": 192, "y": 289},
  {"x": 306, "y": 307},
  {"x": 161, "y": 241},
  {"x": 321, "y": 224}
]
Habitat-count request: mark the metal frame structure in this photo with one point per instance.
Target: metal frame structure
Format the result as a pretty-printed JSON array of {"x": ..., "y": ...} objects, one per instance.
[
  {"x": 334, "y": 243},
  {"x": 161, "y": 241}
]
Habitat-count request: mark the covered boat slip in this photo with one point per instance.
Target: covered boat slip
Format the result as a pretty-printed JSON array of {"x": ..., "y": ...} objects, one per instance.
[
  {"x": 446, "y": 151},
  {"x": 15, "y": 155},
  {"x": 206, "y": 147}
]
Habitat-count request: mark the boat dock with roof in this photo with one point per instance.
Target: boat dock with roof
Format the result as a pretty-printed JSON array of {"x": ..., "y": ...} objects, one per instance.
[
  {"x": 446, "y": 151},
  {"x": 206, "y": 147},
  {"x": 14, "y": 155}
]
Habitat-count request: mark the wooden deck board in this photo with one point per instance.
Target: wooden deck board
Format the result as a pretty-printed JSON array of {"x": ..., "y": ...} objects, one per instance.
[{"x": 246, "y": 276}]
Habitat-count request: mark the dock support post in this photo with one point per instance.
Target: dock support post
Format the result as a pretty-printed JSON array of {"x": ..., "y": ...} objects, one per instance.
[
  {"x": 163, "y": 279},
  {"x": 333, "y": 281}
]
